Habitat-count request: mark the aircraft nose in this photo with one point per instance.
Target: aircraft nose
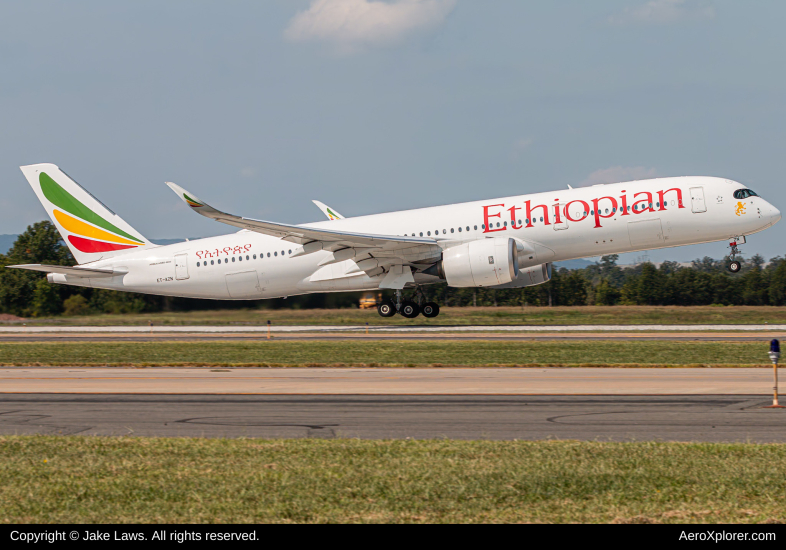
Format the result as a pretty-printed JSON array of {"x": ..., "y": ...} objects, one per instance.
[{"x": 775, "y": 215}]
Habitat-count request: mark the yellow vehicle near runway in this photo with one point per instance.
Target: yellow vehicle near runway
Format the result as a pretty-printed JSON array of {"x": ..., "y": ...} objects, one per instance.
[{"x": 370, "y": 300}]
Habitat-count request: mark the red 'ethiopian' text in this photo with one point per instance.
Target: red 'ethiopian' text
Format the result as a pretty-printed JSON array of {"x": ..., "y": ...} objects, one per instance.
[{"x": 599, "y": 209}]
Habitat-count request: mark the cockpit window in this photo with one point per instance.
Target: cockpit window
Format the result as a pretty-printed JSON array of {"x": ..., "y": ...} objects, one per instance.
[{"x": 744, "y": 194}]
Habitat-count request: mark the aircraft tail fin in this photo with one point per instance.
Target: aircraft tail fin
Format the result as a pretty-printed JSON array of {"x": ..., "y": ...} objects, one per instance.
[{"x": 90, "y": 229}]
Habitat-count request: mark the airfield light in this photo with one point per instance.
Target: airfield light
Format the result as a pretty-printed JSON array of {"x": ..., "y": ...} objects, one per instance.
[
  {"x": 775, "y": 354},
  {"x": 268, "y": 329}
]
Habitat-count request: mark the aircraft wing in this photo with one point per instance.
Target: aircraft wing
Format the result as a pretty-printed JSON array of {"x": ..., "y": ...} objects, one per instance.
[
  {"x": 372, "y": 254},
  {"x": 73, "y": 271},
  {"x": 327, "y": 211}
]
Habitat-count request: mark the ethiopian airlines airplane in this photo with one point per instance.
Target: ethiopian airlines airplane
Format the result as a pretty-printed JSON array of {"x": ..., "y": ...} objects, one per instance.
[{"x": 501, "y": 243}]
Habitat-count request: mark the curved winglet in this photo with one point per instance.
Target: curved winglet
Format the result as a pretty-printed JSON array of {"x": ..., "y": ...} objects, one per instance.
[
  {"x": 196, "y": 204},
  {"x": 327, "y": 211}
]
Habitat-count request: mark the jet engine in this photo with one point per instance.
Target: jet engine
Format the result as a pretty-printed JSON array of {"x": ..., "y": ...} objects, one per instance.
[{"x": 485, "y": 262}]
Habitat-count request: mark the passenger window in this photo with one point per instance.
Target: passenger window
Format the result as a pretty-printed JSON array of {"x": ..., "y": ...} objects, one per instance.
[
  {"x": 268, "y": 254},
  {"x": 459, "y": 230},
  {"x": 421, "y": 233},
  {"x": 255, "y": 256},
  {"x": 429, "y": 233},
  {"x": 197, "y": 264},
  {"x": 444, "y": 231},
  {"x": 275, "y": 253},
  {"x": 211, "y": 262},
  {"x": 239, "y": 259},
  {"x": 483, "y": 226},
  {"x": 476, "y": 228},
  {"x": 527, "y": 220},
  {"x": 233, "y": 258}
]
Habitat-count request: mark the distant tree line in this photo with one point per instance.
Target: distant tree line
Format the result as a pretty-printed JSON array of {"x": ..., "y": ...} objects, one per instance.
[{"x": 705, "y": 282}]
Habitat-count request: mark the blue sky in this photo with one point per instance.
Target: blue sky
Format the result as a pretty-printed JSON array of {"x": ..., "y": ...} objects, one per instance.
[{"x": 259, "y": 107}]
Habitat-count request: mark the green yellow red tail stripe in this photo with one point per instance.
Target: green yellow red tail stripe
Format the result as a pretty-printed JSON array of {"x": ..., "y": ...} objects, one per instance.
[
  {"x": 90, "y": 231},
  {"x": 74, "y": 225}
]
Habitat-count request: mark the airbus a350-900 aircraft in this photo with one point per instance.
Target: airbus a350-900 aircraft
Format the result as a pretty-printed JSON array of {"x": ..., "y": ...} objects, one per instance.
[{"x": 501, "y": 243}]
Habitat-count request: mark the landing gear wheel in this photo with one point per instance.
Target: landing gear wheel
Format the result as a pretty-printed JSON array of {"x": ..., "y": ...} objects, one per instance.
[
  {"x": 410, "y": 310},
  {"x": 430, "y": 310},
  {"x": 386, "y": 308},
  {"x": 735, "y": 266}
]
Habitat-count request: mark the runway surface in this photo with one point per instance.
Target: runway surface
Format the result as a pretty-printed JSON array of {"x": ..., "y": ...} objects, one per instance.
[
  {"x": 387, "y": 381},
  {"x": 382, "y": 336},
  {"x": 660, "y": 418}
]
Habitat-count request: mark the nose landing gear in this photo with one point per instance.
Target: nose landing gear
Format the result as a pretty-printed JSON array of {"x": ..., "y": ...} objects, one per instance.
[{"x": 735, "y": 265}]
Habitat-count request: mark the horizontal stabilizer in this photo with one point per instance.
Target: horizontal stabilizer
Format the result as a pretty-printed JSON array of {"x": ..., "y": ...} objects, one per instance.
[{"x": 72, "y": 271}]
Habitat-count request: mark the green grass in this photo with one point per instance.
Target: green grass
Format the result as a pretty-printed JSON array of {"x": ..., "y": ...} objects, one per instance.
[
  {"x": 538, "y": 316},
  {"x": 94, "y": 479},
  {"x": 400, "y": 353}
]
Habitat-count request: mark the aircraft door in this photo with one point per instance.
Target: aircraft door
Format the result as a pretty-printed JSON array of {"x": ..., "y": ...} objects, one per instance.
[
  {"x": 181, "y": 266},
  {"x": 243, "y": 285},
  {"x": 697, "y": 200},
  {"x": 645, "y": 233}
]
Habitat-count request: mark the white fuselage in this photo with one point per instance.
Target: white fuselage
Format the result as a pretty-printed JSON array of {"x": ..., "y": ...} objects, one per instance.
[{"x": 593, "y": 221}]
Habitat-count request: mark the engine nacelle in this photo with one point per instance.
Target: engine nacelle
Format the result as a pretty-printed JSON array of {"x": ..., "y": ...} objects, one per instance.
[
  {"x": 485, "y": 262},
  {"x": 530, "y": 276}
]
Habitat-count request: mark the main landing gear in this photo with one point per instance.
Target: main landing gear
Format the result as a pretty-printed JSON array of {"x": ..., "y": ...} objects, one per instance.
[
  {"x": 735, "y": 265},
  {"x": 408, "y": 308}
]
